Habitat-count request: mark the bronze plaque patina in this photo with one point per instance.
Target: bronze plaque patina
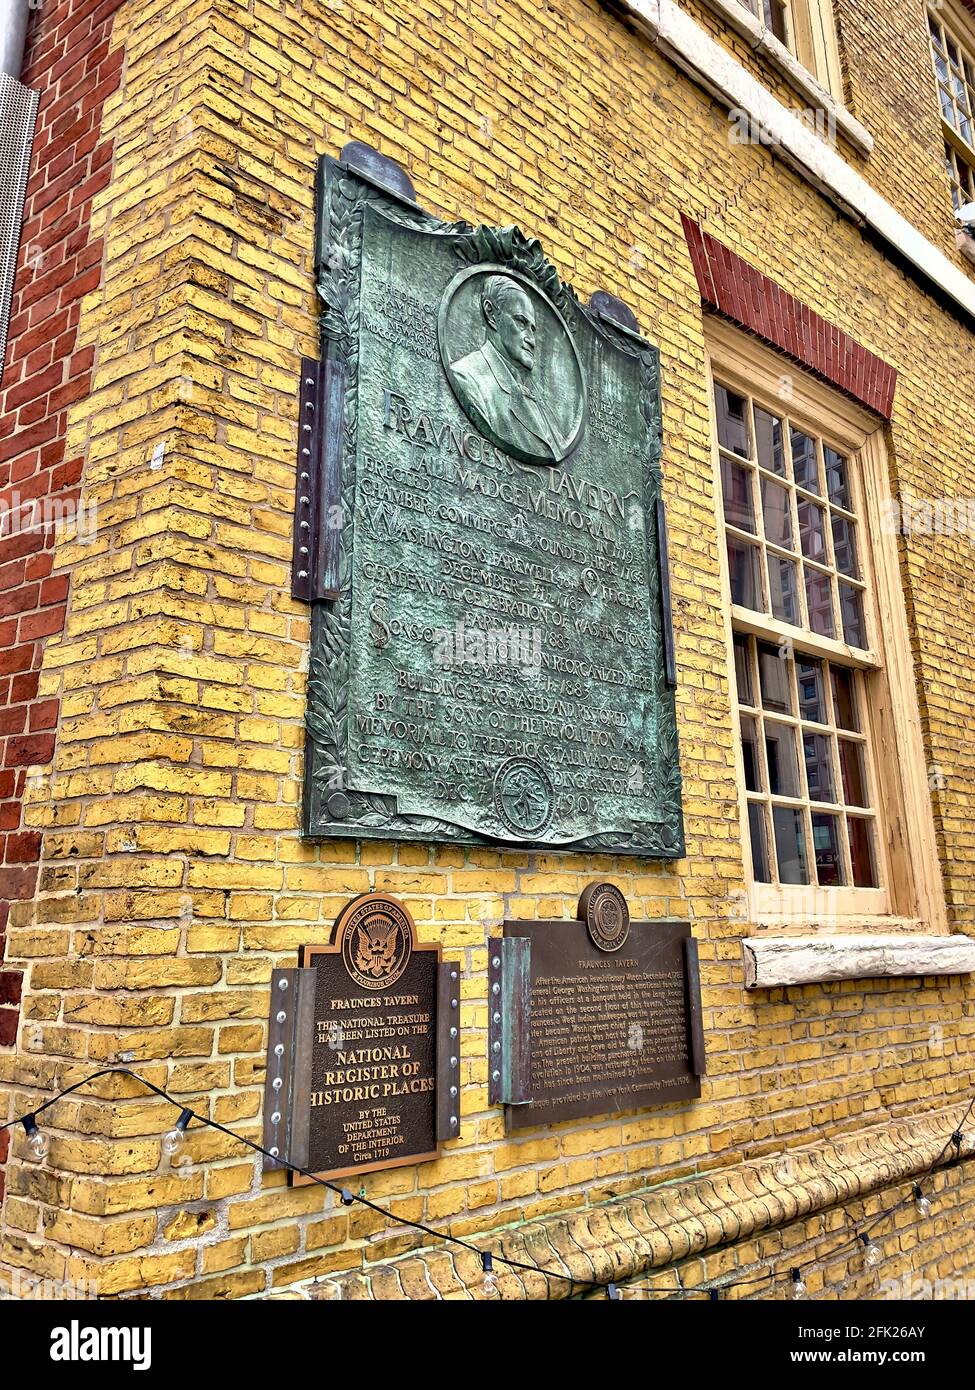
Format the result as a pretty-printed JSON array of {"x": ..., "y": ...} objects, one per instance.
[
  {"x": 493, "y": 668},
  {"x": 360, "y": 1071},
  {"x": 594, "y": 1016}
]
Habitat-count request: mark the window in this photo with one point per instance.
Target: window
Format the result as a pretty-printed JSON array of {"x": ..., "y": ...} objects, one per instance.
[
  {"x": 818, "y": 651},
  {"x": 961, "y": 176},
  {"x": 953, "y": 55},
  {"x": 771, "y": 13},
  {"x": 806, "y": 29}
]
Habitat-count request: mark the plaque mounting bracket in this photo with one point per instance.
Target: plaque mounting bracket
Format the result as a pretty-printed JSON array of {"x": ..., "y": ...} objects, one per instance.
[
  {"x": 695, "y": 1020},
  {"x": 318, "y": 481},
  {"x": 448, "y": 1050},
  {"x": 509, "y": 1028},
  {"x": 292, "y": 1017}
]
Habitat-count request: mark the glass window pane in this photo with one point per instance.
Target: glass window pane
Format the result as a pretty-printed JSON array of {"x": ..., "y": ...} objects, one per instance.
[
  {"x": 750, "y": 755},
  {"x": 812, "y": 697},
  {"x": 837, "y": 485},
  {"x": 826, "y": 847},
  {"x": 783, "y": 588},
  {"x": 773, "y": 676},
  {"x": 790, "y": 845},
  {"x": 769, "y": 442},
  {"x": 736, "y": 493},
  {"x": 746, "y": 585},
  {"x": 777, "y": 511},
  {"x": 819, "y": 767},
  {"x": 804, "y": 468},
  {"x": 812, "y": 531},
  {"x": 851, "y": 607},
  {"x": 854, "y": 774},
  {"x": 862, "y": 852},
  {"x": 775, "y": 20},
  {"x": 783, "y": 766},
  {"x": 743, "y": 670},
  {"x": 819, "y": 602},
  {"x": 844, "y": 699},
  {"x": 845, "y": 546},
  {"x": 732, "y": 413},
  {"x": 758, "y": 835}
]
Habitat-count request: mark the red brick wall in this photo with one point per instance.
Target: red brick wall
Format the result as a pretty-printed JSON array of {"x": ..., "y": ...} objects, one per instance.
[
  {"x": 735, "y": 289},
  {"x": 69, "y": 63}
]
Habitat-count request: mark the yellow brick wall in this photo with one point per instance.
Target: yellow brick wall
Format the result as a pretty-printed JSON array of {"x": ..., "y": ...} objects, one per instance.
[{"x": 172, "y": 877}]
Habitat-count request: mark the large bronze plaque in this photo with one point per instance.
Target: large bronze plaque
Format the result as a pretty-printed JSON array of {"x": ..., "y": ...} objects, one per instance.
[
  {"x": 365, "y": 1076},
  {"x": 583, "y": 1026},
  {"x": 493, "y": 668}
]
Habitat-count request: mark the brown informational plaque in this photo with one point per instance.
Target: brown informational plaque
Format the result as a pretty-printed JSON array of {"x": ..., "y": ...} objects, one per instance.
[
  {"x": 367, "y": 1075},
  {"x": 594, "y": 1016}
]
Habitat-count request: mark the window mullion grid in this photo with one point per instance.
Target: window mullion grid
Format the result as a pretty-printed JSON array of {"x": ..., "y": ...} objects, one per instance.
[
  {"x": 803, "y": 779},
  {"x": 797, "y": 539},
  {"x": 869, "y": 775},
  {"x": 759, "y": 511},
  {"x": 830, "y": 557},
  {"x": 764, "y": 797},
  {"x": 840, "y": 790}
]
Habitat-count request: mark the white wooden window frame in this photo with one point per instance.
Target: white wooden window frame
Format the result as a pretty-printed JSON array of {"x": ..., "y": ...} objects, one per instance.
[
  {"x": 959, "y": 26},
  {"x": 911, "y": 898}
]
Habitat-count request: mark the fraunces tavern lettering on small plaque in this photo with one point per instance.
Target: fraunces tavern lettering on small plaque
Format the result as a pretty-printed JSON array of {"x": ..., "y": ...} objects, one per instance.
[{"x": 494, "y": 666}]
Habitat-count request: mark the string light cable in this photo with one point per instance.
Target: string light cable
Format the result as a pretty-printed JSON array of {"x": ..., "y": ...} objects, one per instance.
[{"x": 174, "y": 1140}]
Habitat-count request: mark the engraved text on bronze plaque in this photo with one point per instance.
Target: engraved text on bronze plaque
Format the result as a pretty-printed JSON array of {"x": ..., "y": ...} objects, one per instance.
[{"x": 588, "y": 1031}]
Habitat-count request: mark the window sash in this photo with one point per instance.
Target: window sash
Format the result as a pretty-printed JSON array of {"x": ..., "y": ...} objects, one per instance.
[{"x": 914, "y": 898}]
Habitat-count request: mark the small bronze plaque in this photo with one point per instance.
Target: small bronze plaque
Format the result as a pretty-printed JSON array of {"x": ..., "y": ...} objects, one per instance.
[
  {"x": 358, "y": 1084},
  {"x": 594, "y": 1019}
]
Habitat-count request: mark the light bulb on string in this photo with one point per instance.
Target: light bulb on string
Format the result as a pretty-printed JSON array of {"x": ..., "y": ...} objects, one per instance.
[
  {"x": 799, "y": 1289},
  {"x": 347, "y": 1197},
  {"x": 489, "y": 1282},
  {"x": 872, "y": 1253},
  {"x": 921, "y": 1202},
  {"x": 613, "y": 1292},
  {"x": 175, "y": 1138},
  {"x": 37, "y": 1140}
]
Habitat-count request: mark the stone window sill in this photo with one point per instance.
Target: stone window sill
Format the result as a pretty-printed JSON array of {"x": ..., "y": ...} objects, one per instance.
[
  {"x": 763, "y": 41},
  {"x": 772, "y": 961}
]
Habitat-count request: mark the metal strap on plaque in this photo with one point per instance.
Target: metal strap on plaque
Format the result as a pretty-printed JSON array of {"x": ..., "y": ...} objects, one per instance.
[
  {"x": 509, "y": 1032},
  {"x": 292, "y": 1019}
]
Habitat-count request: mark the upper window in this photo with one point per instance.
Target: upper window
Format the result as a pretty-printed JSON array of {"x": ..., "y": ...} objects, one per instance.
[
  {"x": 819, "y": 682},
  {"x": 953, "y": 54},
  {"x": 807, "y": 30}
]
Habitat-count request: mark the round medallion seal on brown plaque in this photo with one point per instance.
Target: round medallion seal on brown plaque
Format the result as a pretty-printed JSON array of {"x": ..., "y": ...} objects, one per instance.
[
  {"x": 376, "y": 936},
  {"x": 603, "y": 909}
]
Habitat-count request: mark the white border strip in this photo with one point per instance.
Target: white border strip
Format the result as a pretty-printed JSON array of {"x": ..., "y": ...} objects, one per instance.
[{"x": 690, "y": 48}]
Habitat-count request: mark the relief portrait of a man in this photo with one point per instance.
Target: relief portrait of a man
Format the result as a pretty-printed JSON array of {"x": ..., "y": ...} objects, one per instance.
[{"x": 496, "y": 382}]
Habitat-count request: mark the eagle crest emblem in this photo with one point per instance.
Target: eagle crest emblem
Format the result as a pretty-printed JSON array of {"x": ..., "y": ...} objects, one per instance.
[
  {"x": 377, "y": 940},
  {"x": 375, "y": 948}
]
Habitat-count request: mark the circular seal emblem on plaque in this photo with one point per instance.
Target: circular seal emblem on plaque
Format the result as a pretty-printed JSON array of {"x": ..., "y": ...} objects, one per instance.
[
  {"x": 511, "y": 362},
  {"x": 524, "y": 797},
  {"x": 603, "y": 909},
  {"x": 375, "y": 935}
]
